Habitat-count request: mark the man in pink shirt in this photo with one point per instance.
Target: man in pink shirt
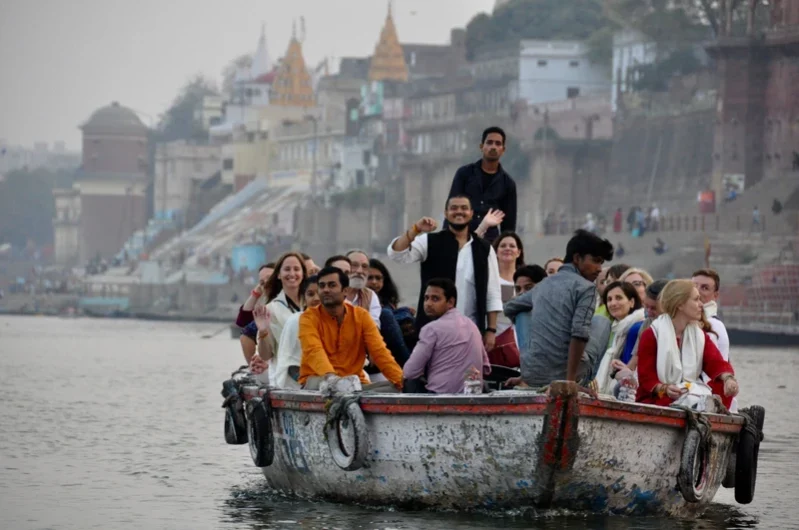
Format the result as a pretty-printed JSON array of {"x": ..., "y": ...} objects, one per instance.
[{"x": 450, "y": 347}]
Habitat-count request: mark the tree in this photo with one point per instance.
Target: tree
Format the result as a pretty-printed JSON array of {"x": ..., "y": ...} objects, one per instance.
[
  {"x": 229, "y": 73},
  {"x": 180, "y": 121},
  {"x": 27, "y": 207},
  {"x": 535, "y": 19}
]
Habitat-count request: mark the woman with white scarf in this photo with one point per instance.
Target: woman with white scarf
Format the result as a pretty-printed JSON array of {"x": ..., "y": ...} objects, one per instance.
[
  {"x": 675, "y": 350},
  {"x": 625, "y": 309}
]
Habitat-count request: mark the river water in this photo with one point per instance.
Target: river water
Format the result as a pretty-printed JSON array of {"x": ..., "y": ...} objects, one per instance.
[{"x": 117, "y": 425}]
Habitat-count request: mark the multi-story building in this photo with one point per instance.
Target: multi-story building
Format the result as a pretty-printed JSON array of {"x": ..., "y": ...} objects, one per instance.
[
  {"x": 177, "y": 165},
  {"x": 543, "y": 71},
  {"x": 108, "y": 201}
]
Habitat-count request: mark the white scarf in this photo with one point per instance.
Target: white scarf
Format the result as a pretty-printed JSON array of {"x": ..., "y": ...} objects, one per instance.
[
  {"x": 618, "y": 330},
  {"x": 711, "y": 309},
  {"x": 681, "y": 366}
]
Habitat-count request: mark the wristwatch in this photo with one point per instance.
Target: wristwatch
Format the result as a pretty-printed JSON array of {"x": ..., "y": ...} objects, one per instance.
[{"x": 492, "y": 330}]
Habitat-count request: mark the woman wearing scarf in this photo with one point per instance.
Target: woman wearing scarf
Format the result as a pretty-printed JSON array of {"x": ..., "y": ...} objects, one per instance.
[
  {"x": 283, "y": 300},
  {"x": 625, "y": 309},
  {"x": 676, "y": 349}
]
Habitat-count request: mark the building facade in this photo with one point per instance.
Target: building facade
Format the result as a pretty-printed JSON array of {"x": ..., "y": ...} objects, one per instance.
[
  {"x": 108, "y": 200},
  {"x": 177, "y": 165}
]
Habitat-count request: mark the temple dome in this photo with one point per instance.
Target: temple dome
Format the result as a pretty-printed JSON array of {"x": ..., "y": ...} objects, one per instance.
[{"x": 114, "y": 119}]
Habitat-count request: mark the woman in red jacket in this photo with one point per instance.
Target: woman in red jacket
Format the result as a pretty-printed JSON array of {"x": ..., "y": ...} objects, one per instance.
[{"x": 674, "y": 351}]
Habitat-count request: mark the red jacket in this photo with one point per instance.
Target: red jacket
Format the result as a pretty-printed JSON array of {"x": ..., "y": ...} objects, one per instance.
[{"x": 713, "y": 364}]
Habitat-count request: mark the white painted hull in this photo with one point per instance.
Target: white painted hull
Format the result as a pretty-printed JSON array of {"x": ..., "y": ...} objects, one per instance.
[{"x": 492, "y": 451}]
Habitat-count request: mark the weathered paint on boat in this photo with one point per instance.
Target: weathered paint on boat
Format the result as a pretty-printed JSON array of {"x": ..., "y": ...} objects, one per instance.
[{"x": 500, "y": 450}]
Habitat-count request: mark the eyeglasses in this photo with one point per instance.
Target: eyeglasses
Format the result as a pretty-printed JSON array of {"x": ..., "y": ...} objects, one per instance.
[{"x": 638, "y": 283}]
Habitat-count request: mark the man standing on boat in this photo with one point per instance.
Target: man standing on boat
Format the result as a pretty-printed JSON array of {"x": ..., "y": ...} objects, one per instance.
[
  {"x": 335, "y": 337},
  {"x": 561, "y": 311},
  {"x": 459, "y": 255},
  {"x": 449, "y": 347},
  {"x": 487, "y": 185}
]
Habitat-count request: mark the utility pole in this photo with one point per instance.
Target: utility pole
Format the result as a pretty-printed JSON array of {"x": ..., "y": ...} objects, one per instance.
[{"x": 314, "y": 182}]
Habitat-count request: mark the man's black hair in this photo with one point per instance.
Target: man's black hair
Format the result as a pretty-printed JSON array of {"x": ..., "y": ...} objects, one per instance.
[
  {"x": 446, "y": 285},
  {"x": 307, "y": 282},
  {"x": 270, "y": 265},
  {"x": 496, "y": 130},
  {"x": 343, "y": 279},
  {"x": 458, "y": 196},
  {"x": 654, "y": 288},
  {"x": 615, "y": 271},
  {"x": 536, "y": 273},
  {"x": 584, "y": 242},
  {"x": 332, "y": 259}
]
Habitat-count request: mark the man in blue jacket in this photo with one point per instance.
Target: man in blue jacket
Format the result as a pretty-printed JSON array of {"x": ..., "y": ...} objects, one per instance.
[{"x": 487, "y": 185}]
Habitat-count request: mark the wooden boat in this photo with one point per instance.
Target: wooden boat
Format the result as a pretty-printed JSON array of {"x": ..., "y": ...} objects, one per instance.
[{"x": 509, "y": 449}]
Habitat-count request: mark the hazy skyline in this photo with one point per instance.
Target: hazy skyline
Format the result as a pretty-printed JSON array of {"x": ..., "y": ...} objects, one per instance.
[{"x": 60, "y": 61}]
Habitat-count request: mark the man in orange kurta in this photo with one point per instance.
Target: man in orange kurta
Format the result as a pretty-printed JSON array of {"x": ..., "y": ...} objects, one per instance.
[{"x": 336, "y": 336}]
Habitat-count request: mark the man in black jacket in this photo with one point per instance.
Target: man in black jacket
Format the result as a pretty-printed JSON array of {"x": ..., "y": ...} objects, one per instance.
[
  {"x": 487, "y": 185},
  {"x": 459, "y": 255}
]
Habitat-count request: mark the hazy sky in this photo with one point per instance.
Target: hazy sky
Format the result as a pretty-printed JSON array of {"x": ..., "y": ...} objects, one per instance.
[{"x": 61, "y": 59}]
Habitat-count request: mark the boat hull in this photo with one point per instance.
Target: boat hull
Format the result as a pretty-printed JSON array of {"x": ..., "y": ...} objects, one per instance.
[{"x": 497, "y": 451}]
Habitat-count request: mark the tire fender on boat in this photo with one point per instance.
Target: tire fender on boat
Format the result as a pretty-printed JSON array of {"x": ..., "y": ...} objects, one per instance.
[
  {"x": 345, "y": 415},
  {"x": 748, "y": 450},
  {"x": 235, "y": 422},
  {"x": 692, "y": 478},
  {"x": 259, "y": 429}
]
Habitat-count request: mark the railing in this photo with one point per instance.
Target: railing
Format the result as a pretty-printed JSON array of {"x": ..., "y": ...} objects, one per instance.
[
  {"x": 766, "y": 316},
  {"x": 670, "y": 223}
]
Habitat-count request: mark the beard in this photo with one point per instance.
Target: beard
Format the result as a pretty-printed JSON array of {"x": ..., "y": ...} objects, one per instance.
[
  {"x": 458, "y": 227},
  {"x": 357, "y": 282}
]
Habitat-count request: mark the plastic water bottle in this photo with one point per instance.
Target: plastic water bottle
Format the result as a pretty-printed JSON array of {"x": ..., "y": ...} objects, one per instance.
[
  {"x": 628, "y": 388},
  {"x": 472, "y": 382}
]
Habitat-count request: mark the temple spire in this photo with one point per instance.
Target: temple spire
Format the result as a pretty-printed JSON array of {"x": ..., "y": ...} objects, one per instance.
[
  {"x": 388, "y": 61},
  {"x": 293, "y": 86},
  {"x": 261, "y": 61}
]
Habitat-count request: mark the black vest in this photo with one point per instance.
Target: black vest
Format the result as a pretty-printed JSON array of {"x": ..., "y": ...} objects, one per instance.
[{"x": 442, "y": 262}]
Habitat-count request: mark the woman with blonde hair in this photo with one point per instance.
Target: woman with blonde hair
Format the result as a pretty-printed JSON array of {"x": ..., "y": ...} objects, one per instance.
[
  {"x": 675, "y": 350},
  {"x": 639, "y": 278}
]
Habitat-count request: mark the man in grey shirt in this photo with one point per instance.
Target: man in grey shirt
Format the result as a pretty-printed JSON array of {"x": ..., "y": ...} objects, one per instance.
[{"x": 562, "y": 307}]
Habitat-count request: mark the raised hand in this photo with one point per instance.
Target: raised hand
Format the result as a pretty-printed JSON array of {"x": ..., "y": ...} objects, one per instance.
[
  {"x": 262, "y": 317},
  {"x": 426, "y": 224},
  {"x": 493, "y": 218}
]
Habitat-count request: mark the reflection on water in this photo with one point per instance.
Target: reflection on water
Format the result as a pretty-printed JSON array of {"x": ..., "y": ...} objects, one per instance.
[{"x": 116, "y": 424}]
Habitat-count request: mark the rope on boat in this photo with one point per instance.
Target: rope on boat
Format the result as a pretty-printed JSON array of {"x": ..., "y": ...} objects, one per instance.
[
  {"x": 694, "y": 458},
  {"x": 750, "y": 425},
  {"x": 344, "y": 411},
  {"x": 336, "y": 410}
]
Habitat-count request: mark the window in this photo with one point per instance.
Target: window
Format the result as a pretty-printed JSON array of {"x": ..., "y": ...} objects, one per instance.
[
  {"x": 574, "y": 64},
  {"x": 227, "y": 164},
  {"x": 572, "y": 92},
  {"x": 542, "y": 63}
]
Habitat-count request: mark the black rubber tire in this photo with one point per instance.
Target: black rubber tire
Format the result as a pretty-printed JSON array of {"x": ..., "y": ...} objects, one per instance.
[
  {"x": 746, "y": 459},
  {"x": 729, "y": 475},
  {"x": 235, "y": 424},
  {"x": 692, "y": 478},
  {"x": 357, "y": 424},
  {"x": 261, "y": 437}
]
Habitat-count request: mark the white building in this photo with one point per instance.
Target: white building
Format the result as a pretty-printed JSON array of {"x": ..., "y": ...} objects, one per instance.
[
  {"x": 542, "y": 71},
  {"x": 557, "y": 70},
  {"x": 177, "y": 164}
]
